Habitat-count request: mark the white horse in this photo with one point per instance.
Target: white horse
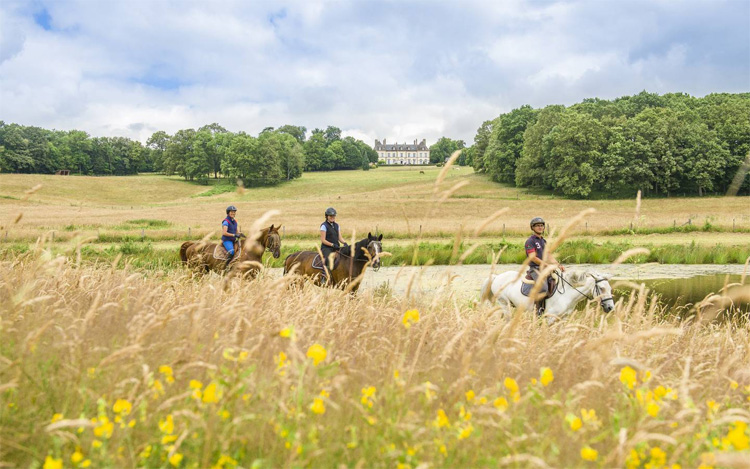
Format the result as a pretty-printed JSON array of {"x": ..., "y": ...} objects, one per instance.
[{"x": 572, "y": 287}]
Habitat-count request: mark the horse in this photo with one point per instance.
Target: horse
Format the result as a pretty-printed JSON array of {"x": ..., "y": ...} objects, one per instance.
[
  {"x": 573, "y": 287},
  {"x": 204, "y": 257},
  {"x": 348, "y": 267}
]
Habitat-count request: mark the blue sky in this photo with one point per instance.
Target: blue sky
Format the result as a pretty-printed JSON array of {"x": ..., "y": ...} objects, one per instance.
[{"x": 376, "y": 69}]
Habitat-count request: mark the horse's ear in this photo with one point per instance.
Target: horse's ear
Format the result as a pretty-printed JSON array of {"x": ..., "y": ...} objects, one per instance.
[
  {"x": 278, "y": 228},
  {"x": 271, "y": 229},
  {"x": 369, "y": 235},
  {"x": 380, "y": 238}
]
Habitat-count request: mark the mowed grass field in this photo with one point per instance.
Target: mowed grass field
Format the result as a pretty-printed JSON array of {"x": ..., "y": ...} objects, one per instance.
[{"x": 405, "y": 204}]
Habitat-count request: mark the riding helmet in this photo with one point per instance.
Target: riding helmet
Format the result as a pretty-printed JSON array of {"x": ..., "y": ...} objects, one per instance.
[
  {"x": 330, "y": 212},
  {"x": 536, "y": 221},
  {"x": 231, "y": 208}
]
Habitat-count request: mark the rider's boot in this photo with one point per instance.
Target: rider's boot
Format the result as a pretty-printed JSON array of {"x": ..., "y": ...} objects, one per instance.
[
  {"x": 540, "y": 306},
  {"x": 229, "y": 259}
]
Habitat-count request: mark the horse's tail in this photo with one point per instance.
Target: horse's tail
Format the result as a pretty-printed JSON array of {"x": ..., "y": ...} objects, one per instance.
[
  {"x": 487, "y": 290},
  {"x": 183, "y": 250}
]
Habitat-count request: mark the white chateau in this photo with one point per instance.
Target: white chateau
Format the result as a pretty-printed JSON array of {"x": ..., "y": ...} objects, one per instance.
[{"x": 416, "y": 153}]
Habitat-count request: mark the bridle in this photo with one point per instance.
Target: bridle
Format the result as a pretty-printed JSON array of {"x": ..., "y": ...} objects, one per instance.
[
  {"x": 272, "y": 247},
  {"x": 369, "y": 248}
]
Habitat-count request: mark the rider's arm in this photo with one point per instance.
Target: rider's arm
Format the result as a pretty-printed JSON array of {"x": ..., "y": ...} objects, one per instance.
[
  {"x": 341, "y": 239},
  {"x": 225, "y": 231}
]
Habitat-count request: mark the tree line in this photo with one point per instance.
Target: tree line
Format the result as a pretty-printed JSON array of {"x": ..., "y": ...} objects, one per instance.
[
  {"x": 273, "y": 156},
  {"x": 662, "y": 145}
]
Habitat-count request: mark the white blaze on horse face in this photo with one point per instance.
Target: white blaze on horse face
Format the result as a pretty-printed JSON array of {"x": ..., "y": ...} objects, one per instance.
[{"x": 376, "y": 257}]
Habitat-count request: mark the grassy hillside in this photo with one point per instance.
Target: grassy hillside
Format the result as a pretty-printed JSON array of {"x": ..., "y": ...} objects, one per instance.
[{"x": 401, "y": 202}]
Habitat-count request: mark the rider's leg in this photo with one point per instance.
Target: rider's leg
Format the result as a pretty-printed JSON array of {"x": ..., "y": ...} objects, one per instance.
[
  {"x": 229, "y": 246},
  {"x": 541, "y": 294}
]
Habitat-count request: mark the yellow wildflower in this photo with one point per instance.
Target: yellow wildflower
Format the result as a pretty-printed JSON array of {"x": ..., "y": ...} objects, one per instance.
[
  {"x": 225, "y": 414},
  {"x": 712, "y": 405},
  {"x": 317, "y": 406},
  {"x": 628, "y": 377},
  {"x": 85, "y": 463},
  {"x": 470, "y": 395},
  {"x": 96, "y": 444},
  {"x": 52, "y": 463},
  {"x": 443, "y": 450},
  {"x": 633, "y": 461},
  {"x": 575, "y": 423},
  {"x": 652, "y": 408},
  {"x": 167, "y": 439},
  {"x": 175, "y": 459},
  {"x": 225, "y": 460},
  {"x": 367, "y": 393},
  {"x": 658, "y": 458},
  {"x": 77, "y": 456},
  {"x": 105, "y": 428},
  {"x": 482, "y": 400},
  {"x": 146, "y": 453},
  {"x": 195, "y": 384},
  {"x": 56, "y": 417},
  {"x": 737, "y": 436},
  {"x": 157, "y": 388},
  {"x": 546, "y": 376},
  {"x": 410, "y": 317},
  {"x": 325, "y": 393},
  {"x": 589, "y": 416},
  {"x": 512, "y": 387},
  {"x": 210, "y": 394},
  {"x": 464, "y": 414},
  {"x": 501, "y": 403},
  {"x": 317, "y": 352},
  {"x": 243, "y": 356},
  {"x": 286, "y": 332},
  {"x": 167, "y": 425},
  {"x": 466, "y": 432},
  {"x": 166, "y": 370},
  {"x": 122, "y": 407},
  {"x": 442, "y": 419},
  {"x": 734, "y": 384},
  {"x": 646, "y": 376},
  {"x": 589, "y": 454},
  {"x": 428, "y": 392}
]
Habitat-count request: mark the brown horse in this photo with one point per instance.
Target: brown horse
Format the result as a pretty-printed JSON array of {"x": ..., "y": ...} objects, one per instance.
[
  {"x": 248, "y": 258},
  {"x": 351, "y": 262}
]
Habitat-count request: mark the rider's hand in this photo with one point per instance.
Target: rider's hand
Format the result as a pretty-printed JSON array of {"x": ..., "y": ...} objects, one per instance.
[
  {"x": 562, "y": 268},
  {"x": 346, "y": 244},
  {"x": 336, "y": 246}
]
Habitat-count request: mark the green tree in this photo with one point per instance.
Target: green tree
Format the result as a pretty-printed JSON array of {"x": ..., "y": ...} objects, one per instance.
[
  {"x": 506, "y": 143},
  {"x": 481, "y": 140},
  {"x": 533, "y": 167},
  {"x": 296, "y": 131},
  {"x": 315, "y": 149}
]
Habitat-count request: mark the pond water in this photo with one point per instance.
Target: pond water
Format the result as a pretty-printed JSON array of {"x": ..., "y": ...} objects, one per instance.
[{"x": 688, "y": 291}]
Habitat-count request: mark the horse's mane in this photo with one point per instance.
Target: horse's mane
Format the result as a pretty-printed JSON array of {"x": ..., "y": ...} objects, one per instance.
[
  {"x": 579, "y": 277},
  {"x": 576, "y": 277},
  {"x": 347, "y": 250}
]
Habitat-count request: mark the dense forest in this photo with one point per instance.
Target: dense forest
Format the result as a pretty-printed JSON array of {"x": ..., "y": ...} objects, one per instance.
[
  {"x": 672, "y": 144},
  {"x": 273, "y": 156}
]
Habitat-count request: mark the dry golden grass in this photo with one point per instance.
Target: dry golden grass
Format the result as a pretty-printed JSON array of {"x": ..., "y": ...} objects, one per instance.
[
  {"x": 98, "y": 365},
  {"x": 391, "y": 200}
]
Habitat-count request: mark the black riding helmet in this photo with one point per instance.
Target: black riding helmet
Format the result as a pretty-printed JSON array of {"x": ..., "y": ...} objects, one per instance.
[
  {"x": 231, "y": 208},
  {"x": 536, "y": 221},
  {"x": 330, "y": 212}
]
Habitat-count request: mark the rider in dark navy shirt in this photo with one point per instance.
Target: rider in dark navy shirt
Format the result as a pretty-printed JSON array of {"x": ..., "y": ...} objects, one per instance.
[
  {"x": 535, "y": 246},
  {"x": 330, "y": 237}
]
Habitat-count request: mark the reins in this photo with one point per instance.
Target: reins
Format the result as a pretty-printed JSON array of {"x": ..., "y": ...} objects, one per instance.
[{"x": 590, "y": 298}]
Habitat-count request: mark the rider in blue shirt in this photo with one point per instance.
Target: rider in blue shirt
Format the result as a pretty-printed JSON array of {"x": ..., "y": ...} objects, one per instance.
[
  {"x": 229, "y": 233},
  {"x": 535, "y": 246}
]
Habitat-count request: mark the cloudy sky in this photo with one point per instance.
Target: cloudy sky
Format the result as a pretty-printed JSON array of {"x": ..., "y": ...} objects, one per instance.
[{"x": 377, "y": 69}]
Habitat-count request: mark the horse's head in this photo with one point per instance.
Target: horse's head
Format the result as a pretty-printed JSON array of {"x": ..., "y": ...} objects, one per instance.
[
  {"x": 273, "y": 241},
  {"x": 374, "y": 248},
  {"x": 603, "y": 290}
]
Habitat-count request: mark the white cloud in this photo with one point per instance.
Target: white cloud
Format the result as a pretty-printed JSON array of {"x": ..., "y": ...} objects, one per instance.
[{"x": 395, "y": 70}]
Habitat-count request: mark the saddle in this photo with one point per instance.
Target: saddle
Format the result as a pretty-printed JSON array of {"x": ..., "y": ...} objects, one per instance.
[
  {"x": 220, "y": 252},
  {"x": 317, "y": 262},
  {"x": 527, "y": 284}
]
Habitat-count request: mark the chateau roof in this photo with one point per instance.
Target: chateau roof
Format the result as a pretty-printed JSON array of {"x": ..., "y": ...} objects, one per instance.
[{"x": 421, "y": 146}]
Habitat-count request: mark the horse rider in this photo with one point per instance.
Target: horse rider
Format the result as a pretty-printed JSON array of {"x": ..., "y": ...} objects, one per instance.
[
  {"x": 535, "y": 251},
  {"x": 330, "y": 238},
  {"x": 229, "y": 234}
]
